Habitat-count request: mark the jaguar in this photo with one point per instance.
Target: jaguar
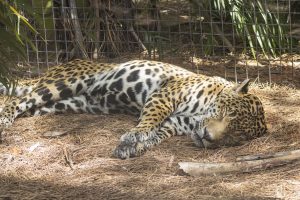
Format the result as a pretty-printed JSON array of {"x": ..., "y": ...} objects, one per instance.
[{"x": 167, "y": 99}]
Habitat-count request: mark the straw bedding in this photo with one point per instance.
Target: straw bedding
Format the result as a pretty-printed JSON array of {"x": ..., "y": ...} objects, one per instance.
[{"x": 79, "y": 164}]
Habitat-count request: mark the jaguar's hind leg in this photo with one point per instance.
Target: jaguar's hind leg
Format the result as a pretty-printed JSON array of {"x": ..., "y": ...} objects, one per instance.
[
  {"x": 59, "y": 83},
  {"x": 77, "y": 104},
  {"x": 18, "y": 91},
  {"x": 44, "y": 93}
]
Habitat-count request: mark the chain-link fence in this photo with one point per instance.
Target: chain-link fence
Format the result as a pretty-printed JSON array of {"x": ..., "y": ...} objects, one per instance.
[{"x": 236, "y": 39}]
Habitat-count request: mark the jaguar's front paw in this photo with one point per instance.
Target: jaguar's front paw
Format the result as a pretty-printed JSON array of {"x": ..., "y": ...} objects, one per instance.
[
  {"x": 135, "y": 136},
  {"x": 133, "y": 143},
  {"x": 127, "y": 150},
  {"x": 129, "y": 138}
]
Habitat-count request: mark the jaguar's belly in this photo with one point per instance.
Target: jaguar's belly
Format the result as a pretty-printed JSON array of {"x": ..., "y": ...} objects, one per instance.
[{"x": 113, "y": 102}]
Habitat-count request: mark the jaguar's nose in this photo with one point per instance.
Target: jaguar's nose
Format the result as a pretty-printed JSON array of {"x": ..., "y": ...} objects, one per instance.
[{"x": 206, "y": 135}]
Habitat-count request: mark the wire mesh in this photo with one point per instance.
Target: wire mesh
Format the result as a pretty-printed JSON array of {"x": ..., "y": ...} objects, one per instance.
[{"x": 234, "y": 39}]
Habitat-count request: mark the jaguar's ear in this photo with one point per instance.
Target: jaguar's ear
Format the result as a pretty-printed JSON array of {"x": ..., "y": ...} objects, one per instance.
[{"x": 243, "y": 87}]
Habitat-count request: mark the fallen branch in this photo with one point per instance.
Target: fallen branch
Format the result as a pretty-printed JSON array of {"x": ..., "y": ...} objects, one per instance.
[
  {"x": 245, "y": 164},
  {"x": 55, "y": 133},
  {"x": 267, "y": 156}
]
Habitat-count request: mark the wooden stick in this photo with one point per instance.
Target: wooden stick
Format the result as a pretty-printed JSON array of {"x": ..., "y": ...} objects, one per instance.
[
  {"x": 278, "y": 159},
  {"x": 266, "y": 156}
]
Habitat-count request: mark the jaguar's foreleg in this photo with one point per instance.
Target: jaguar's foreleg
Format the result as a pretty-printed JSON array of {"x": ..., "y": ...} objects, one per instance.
[{"x": 135, "y": 143}]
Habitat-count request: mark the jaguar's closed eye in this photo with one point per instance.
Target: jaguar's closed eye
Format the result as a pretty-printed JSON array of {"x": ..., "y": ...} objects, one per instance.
[{"x": 232, "y": 114}]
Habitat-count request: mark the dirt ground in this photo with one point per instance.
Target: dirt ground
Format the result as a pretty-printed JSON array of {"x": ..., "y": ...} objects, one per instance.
[{"x": 79, "y": 164}]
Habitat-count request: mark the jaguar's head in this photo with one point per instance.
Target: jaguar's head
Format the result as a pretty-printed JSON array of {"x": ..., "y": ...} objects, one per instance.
[{"x": 235, "y": 116}]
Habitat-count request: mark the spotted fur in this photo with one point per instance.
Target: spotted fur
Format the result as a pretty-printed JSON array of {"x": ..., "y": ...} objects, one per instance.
[{"x": 169, "y": 100}]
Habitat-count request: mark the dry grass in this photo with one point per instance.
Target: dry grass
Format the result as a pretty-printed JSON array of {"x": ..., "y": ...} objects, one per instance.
[{"x": 34, "y": 167}]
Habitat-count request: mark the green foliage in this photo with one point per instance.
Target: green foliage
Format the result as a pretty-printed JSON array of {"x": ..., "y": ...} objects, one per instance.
[
  {"x": 257, "y": 22},
  {"x": 260, "y": 28},
  {"x": 12, "y": 40}
]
